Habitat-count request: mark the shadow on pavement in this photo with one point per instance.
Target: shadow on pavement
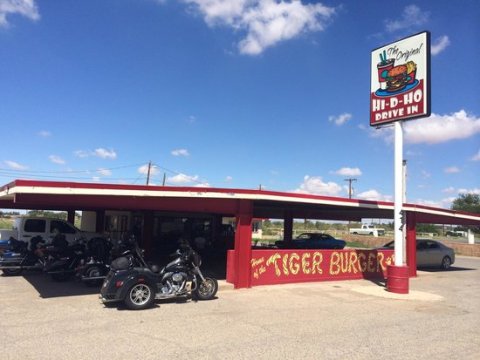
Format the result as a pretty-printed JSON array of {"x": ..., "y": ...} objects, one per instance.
[
  {"x": 48, "y": 288},
  {"x": 453, "y": 268}
]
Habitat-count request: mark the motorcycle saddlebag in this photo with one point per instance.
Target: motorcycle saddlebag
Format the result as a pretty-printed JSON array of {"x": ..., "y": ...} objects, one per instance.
[{"x": 121, "y": 263}]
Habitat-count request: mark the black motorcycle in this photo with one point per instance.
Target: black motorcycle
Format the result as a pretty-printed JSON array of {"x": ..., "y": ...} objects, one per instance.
[
  {"x": 96, "y": 265},
  {"x": 20, "y": 256},
  {"x": 64, "y": 259},
  {"x": 138, "y": 284}
]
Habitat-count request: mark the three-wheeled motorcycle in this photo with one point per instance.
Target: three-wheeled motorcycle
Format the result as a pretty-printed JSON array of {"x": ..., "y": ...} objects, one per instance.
[{"x": 136, "y": 283}]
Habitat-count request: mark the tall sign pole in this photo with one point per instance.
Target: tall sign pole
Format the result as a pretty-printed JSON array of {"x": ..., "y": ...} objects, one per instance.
[
  {"x": 399, "y": 191},
  {"x": 399, "y": 91}
]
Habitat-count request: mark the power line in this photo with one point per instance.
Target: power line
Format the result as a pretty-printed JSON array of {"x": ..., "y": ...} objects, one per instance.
[{"x": 66, "y": 171}]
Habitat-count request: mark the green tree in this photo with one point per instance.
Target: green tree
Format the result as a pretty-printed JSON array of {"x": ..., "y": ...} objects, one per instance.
[
  {"x": 427, "y": 228},
  {"x": 467, "y": 202}
]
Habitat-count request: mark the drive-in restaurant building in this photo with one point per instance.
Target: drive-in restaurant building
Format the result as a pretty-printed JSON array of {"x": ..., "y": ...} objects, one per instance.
[{"x": 157, "y": 208}]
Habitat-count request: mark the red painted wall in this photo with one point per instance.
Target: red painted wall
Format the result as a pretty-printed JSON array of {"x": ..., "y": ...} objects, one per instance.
[{"x": 291, "y": 266}]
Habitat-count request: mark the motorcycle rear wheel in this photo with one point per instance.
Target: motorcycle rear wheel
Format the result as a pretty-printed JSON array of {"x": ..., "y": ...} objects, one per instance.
[
  {"x": 93, "y": 271},
  {"x": 140, "y": 296},
  {"x": 206, "y": 290},
  {"x": 12, "y": 272}
]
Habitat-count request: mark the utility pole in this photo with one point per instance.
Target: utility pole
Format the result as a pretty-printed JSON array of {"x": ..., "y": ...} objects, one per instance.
[
  {"x": 148, "y": 172},
  {"x": 350, "y": 180}
]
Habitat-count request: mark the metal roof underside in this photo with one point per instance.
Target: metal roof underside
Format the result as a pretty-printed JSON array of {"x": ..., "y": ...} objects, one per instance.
[{"x": 44, "y": 195}]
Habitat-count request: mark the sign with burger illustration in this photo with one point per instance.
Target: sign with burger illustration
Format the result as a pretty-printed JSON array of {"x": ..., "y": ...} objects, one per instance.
[{"x": 400, "y": 80}]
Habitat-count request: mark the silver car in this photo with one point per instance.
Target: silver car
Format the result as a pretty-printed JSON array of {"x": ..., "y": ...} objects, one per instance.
[{"x": 431, "y": 253}]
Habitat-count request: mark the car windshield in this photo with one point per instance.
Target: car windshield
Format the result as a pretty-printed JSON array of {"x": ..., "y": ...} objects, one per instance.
[{"x": 314, "y": 236}]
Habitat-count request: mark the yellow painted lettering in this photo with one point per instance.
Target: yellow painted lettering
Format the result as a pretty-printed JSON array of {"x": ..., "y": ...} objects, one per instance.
[
  {"x": 272, "y": 260},
  {"x": 294, "y": 265},
  {"x": 344, "y": 262},
  {"x": 380, "y": 264},
  {"x": 362, "y": 262},
  {"x": 306, "y": 263},
  {"x": 371, "y": 264},
  {"x": 352, "y": 263},
  {"x": 334, "y": 263},
  {"x": 285, "y": 264},
  {"x": 316, "y": 262}
]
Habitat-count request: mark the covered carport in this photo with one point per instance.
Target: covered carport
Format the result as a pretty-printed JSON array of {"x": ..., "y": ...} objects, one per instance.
[{"x": 244, "y": 205}]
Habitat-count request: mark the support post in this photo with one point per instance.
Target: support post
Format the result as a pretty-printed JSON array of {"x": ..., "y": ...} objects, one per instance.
[
  {"x": 71, "y": 216},
  {"x": 399, "y": 194},
  {"x": 243, "y": 245},
  {"x": 412, "y": 244},
  {"x": 397, "y": 275},
  {"x": 287, "y": 227},
  {"x": 100, "y": 221},
  {"x": 147, "y": 233}
]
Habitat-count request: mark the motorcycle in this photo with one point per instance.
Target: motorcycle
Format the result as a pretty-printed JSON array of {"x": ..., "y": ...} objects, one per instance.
[
  {"x": 19, "y": 256},
  {"x": 65, "y": 259},
  {"x": 139, "y": 284},
  {"x": 101, "y": 253}
]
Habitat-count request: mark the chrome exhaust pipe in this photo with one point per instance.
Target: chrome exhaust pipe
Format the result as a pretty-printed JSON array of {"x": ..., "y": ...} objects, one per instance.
[{"x": 86, "y": 278}]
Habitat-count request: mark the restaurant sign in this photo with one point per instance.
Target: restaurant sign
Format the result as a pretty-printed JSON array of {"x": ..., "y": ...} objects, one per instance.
[
  {"x": 400, "y": 80},
  {"x": 291, "y": 266}
]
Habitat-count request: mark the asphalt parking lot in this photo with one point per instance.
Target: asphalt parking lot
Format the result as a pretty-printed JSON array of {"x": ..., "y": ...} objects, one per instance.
[{"x": 439, "y": 318}]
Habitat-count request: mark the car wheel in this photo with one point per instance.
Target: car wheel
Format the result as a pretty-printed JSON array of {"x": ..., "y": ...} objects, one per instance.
[
  {"x": 139, "y": 297},
  {"x": 446, "y": 263}
]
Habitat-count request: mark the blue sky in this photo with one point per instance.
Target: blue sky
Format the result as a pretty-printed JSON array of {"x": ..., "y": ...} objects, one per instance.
[{"x": 236, "y": 94}]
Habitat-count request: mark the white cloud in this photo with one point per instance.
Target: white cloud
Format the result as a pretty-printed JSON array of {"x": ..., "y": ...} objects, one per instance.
[
  {"x": 104, "y": 172},
  {"x": 444, "y": 203},
  {"x": 27, "y": 8},
  {"x": 373, "y": 195},
  {"x": 435, "y": 129},
  {"x": 265, "y": 23},
  {"x": 451, "y": 170},
  {"x": 56, "y": 159},
  {"x": 442, "y": 128},
  {"x": 340, "y": 119},
  {"x": 476, "y": 157},
  {"x": 100, "y": 152},
  {"x": 81, "y": 153},
  {"x": 439, "y": 45},
  {"x": 228, "y": 178},
  {"x": 183, "y": 179},
  {"x": 44, "y": 133},
  {"x": 412, "y": 17},
  {"x": 105, "y": 154},
  {"x": 144, "y": 170},
  {"x": 425, "y": 174},
  {"x": 180, "y": 152},
  {"x": 346, "y": 171},
  {"x": 203, "y": 184},
  {"x": 449, "y": 190},
  {"x": 469, "y": 191},
  {"x": 315, "y": 185},
  {"x": 14, "y": 165}
]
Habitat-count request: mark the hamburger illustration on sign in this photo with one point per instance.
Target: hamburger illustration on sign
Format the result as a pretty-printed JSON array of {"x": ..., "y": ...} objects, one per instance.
[{"x": 400, "y": 80}]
